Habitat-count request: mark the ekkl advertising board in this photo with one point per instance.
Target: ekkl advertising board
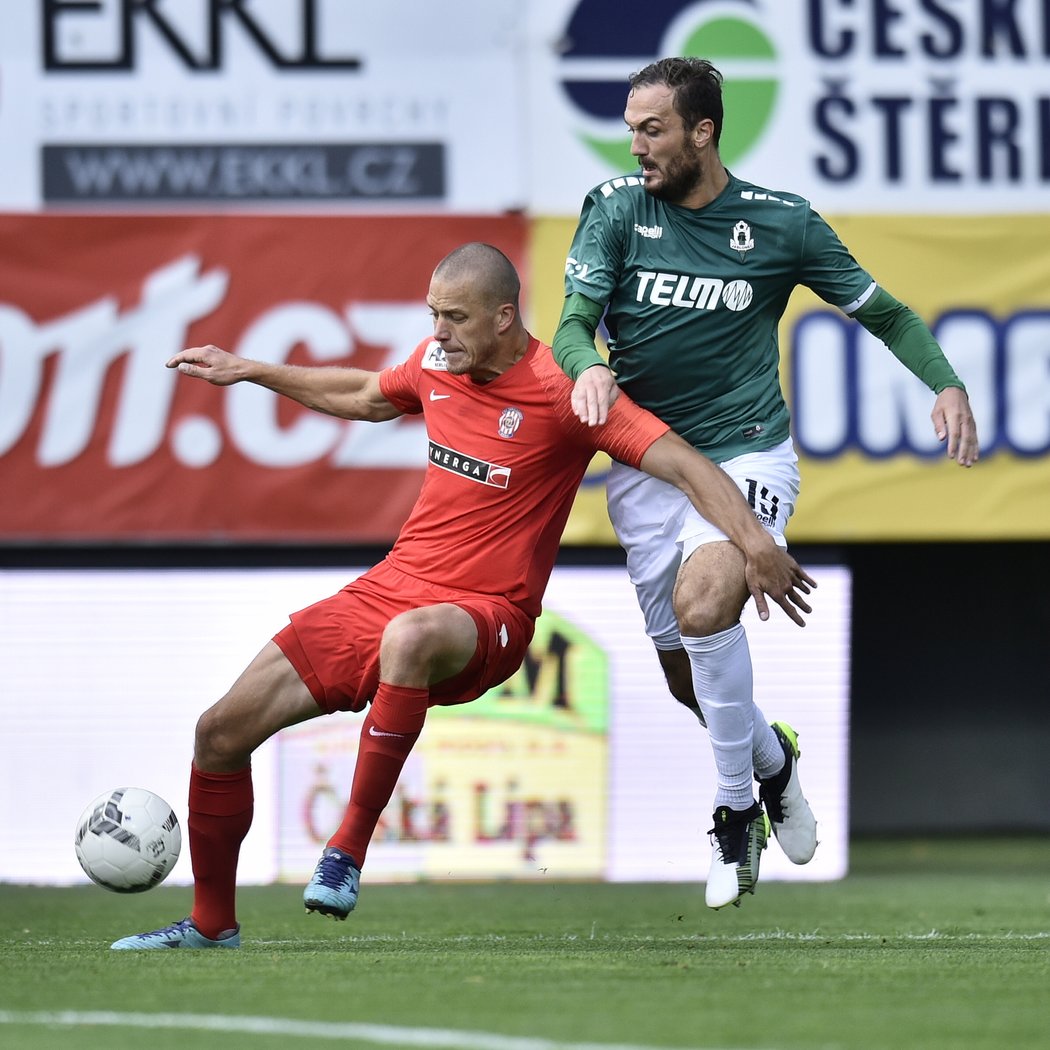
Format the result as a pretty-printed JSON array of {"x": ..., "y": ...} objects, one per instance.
[
  {"x": 98, "y": 439},
  {"x": 220, "y": 104},
  {"x": 479, "y": 106}
]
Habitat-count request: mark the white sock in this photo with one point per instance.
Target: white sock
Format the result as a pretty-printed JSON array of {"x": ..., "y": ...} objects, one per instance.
[
  {"x": 722, "y": 683},
  {"x": 767, "y": 756}
]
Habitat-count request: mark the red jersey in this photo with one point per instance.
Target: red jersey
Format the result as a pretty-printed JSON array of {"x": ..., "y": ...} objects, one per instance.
[{"x": 506, "y": 459}]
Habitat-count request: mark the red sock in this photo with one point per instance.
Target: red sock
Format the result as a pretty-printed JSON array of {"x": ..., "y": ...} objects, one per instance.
[
  {"x": 389, "y": 731},
  {"x": 220, "y": 814}
]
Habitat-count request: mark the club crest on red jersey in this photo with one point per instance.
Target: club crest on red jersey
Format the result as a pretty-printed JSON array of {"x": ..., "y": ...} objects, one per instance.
[{"x": 509, "y": 421}]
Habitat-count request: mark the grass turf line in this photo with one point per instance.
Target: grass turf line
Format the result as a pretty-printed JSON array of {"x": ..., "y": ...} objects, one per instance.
[{"x": 926, "y": 944}]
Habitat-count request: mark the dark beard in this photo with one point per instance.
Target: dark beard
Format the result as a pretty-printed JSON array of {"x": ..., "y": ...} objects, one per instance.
[{"x": 681, "y": 177}]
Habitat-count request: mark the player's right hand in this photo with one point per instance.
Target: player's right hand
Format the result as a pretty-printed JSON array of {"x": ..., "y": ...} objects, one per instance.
[
  {"x": 210, "y": 363},
  {"x": 774, "y": 572},
  {"x": 593, "y": 394}
]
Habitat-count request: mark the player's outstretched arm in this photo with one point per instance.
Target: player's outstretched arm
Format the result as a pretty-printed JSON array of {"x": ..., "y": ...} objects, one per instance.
[
  {"x": 953, "y": 421},
  {"x": 769, "y": 569},
  {"x": 349, "y": 393}
]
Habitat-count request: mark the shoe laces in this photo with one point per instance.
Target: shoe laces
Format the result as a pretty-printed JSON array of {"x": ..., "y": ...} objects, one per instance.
[
  {"x": 730, "y": 836},
  {"x": 729, "y": 845},
  {"x": 181, "y": 926},
  {"x": 771, "y": 791},
  {"x": 333, "y": 869}
]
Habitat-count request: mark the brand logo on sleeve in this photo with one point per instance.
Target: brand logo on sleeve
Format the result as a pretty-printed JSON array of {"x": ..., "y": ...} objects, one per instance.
[
  {"x": 434, "y": 358},
  {"x": 653, "y": 232}
]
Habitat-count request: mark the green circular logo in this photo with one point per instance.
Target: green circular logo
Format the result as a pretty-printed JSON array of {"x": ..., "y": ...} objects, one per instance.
[{"x": 747, "y": 59}]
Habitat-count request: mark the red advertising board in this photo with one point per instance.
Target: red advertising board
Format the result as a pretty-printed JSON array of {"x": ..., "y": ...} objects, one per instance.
[{"x": 100, "y": 441}]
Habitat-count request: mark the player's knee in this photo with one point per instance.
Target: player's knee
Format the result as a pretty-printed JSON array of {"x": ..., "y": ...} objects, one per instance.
[
  {"x": 710, "y": 591},
  {"x": 407, "y": 634},
  {"x": 412, "y": 646},
  {"x": 216, "y": 743},
  {"x": 702, "y": 618}
]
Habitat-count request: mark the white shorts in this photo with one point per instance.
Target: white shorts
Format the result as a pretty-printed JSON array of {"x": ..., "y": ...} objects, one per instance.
[{"x": 659, "y": 528}]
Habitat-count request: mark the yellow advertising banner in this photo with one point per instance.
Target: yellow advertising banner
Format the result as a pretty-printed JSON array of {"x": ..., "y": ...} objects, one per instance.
[{"x": 872, "y": 469}]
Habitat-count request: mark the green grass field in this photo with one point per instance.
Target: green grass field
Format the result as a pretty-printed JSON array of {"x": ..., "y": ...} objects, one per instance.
[{"x": 935, "y": 944}]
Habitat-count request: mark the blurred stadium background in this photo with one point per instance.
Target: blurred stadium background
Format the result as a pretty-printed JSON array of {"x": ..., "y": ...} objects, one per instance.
[{"x": 279, "y": 178}]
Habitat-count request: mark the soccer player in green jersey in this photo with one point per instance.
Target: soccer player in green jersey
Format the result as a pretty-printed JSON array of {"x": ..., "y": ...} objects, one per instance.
[{"x": 692, "y": 269}]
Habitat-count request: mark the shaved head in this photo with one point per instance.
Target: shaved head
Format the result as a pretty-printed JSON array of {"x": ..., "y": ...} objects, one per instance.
[
  {"x": 473, "y": 300},
  {"x": 486, "y": 269}
]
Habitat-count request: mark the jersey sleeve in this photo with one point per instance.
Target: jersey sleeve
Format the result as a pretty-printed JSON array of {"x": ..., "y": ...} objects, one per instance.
[
  {"x": 909, "y": 340},
  {"x": 830, "y": 270},
  {"x": 626, "y": 435},
  {"x": 629, "y": 431},
  {"x": 573, "y": 344},
  {"x": 400, "y": 383},
  {"x": 593, "y": 264}
]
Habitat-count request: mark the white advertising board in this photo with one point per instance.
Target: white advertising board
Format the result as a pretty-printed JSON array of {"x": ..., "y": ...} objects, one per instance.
[
  {"x": 480, "y": 106},
  {"x": 104, "y": 673},
  {"x": 862, "y": 106},
  {"x": 319, "y": 103}
]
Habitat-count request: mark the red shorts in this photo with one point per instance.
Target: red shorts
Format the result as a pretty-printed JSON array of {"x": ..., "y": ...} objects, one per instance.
[{"x": 334, "y": 644}]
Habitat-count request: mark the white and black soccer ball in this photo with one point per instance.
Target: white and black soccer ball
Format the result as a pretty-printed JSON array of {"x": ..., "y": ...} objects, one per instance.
[{"x": 128, "y": 840}]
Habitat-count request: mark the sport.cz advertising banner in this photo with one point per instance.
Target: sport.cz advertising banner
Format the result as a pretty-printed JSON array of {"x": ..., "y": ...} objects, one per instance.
[
  {"x": 99, "y": 440},
  {"x": 921, "y": 130}
]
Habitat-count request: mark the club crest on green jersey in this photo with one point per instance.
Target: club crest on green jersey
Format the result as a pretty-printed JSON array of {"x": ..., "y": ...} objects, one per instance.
[{"x": 742, "y": 242}]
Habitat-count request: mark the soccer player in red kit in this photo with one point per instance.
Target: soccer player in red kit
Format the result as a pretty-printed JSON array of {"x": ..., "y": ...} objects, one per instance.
[{"x": 448, "y": 614}]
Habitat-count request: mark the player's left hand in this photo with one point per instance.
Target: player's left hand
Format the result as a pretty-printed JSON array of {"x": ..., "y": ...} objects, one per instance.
[
  {"x": 211, "y": 363},
  {"x": 593, "y": 395},
  {"x": 953, "y": 420},
  {"x": 774, "y": 572}
]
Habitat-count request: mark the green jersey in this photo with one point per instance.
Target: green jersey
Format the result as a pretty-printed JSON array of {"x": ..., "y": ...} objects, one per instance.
[{"x": 694, "y": 298}]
